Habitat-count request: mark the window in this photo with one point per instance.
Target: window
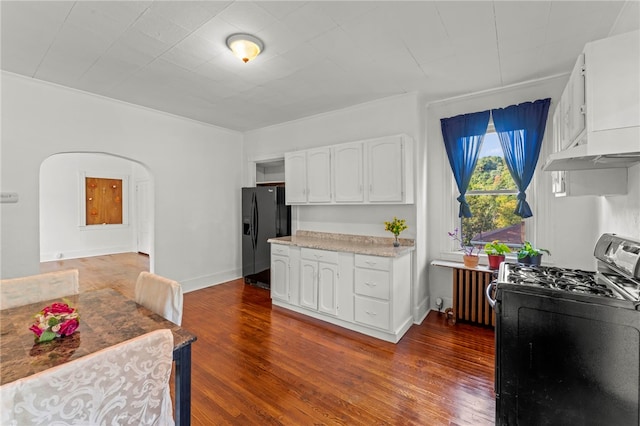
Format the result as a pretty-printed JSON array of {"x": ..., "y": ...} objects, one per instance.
[
  {"x": 492, "y": 197},
  {"x": 492, "y": 192},
  {"x": 104, "y": 201}
]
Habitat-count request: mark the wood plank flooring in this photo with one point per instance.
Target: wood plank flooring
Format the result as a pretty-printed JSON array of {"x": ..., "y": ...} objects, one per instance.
[{"x": 254, "y": 364}]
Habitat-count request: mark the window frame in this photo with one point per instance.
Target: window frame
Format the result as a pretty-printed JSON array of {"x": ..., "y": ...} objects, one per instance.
[
  {"x": 82, "y": 205},
  {"x": 449, "y": 248}
]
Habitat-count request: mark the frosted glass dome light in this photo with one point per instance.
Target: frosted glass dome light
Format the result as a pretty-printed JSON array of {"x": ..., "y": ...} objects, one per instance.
[{"x": 245, "y": 46}]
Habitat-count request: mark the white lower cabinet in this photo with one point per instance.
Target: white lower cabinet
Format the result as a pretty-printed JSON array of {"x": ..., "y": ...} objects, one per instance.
[
  {"x": 372, "y": 312},
  {"x": 382, "y": 298},
  {"x": 284, "y": 265},
  {"x": 319, "y": 280},
  {"x": 280, "y": 277},
  {"x": 368, "y": 294}
]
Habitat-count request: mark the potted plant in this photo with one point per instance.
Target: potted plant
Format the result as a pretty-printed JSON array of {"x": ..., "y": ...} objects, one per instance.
[
  {"x": 470, "y": 258},
  {"x": 396, "y": 226},
  {"x": 496, "y": 251},
  {"x": 529, "y": 255}
]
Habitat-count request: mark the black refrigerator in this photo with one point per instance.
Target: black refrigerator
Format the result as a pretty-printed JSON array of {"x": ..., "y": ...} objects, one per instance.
[{"x": 264, "y": 216}]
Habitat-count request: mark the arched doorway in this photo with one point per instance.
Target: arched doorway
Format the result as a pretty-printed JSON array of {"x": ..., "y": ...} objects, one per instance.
[{"x": 64, "y": 232}]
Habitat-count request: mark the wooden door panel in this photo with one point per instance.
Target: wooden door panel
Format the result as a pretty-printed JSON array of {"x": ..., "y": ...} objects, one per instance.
[{"x": 103, "y": 201}]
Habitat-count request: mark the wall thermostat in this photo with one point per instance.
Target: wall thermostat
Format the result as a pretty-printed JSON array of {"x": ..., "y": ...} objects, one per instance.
[{"x": 8, "y": 197}]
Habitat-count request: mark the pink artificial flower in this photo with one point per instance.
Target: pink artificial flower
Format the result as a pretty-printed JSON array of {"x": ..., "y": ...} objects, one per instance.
[
  {"x": 37, "y": 330},
  {"x": 68, "y": 327},
  {"x": 58, "y": 308}
]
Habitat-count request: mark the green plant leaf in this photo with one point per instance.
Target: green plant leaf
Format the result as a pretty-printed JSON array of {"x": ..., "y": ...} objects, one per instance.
[{"x": 47, "y": 336}]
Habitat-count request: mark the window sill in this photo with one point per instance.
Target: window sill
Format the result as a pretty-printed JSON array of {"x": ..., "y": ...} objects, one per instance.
[
  {"x": 461, "y": 265},
  {"x": 456, "y": 257},
  {"x": 103, "y": 227}
]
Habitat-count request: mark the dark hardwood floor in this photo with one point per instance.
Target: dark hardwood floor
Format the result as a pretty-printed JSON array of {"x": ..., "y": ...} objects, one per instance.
[{"x": 254, "y": 364}]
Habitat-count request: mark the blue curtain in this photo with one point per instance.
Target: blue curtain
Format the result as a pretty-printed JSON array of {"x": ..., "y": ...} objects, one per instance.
[
  {"x": 521, "y": 129},
  {"x": 463, "y": 135}
]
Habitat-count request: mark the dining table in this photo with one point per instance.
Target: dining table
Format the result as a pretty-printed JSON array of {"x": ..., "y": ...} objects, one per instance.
[{"x": 107, "y": 318}]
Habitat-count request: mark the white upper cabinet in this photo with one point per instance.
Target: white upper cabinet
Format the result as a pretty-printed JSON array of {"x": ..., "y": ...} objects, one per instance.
[
  {"x": 576, "y": 113},
  {"x": 319, "y": 175},
  {"x": 347, "y": 173},
  {"x": 372, "y": 171},
  {"x": 295, "y": 176},
  {"x": 613, "y": 94},
  {"x": 308, "y": 176},
  {"x": 384, "y": 160},
  {"x": 569, "y": 115},
  {"x": 596, "y": 123}
]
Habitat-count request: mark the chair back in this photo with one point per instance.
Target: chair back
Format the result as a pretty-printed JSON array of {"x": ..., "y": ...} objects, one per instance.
[
  {"x": 36, "y": 288},
  {"x": 127, "y": 383},
  {"x": 160, "y": 295}
]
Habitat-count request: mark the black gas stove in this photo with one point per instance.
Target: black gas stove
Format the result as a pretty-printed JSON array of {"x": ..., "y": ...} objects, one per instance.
[
  {"x": 568, "y": 340},
  {"x": 575, "y": 282}
]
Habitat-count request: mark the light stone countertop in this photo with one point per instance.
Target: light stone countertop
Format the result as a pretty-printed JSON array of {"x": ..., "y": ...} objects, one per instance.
[{"x": 360, "y": 244}]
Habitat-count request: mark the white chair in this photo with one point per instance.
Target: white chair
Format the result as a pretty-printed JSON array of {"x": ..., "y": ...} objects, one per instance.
[
  {"x": 127, "y": 383},
  {"x": 36, "y": 288},
  {"x": 160, "y": 295}
]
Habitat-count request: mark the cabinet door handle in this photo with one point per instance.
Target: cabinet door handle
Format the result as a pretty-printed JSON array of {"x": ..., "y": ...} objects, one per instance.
[
  {"x": 370, "y": 263},
  {"x": 370, "y": 284},
  {"x": 318, "y": 256},
  {"x": 371, "y": 313}
]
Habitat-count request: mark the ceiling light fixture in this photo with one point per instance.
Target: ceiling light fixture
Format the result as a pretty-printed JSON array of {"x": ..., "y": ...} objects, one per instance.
[{"x": 245, "y": 46}]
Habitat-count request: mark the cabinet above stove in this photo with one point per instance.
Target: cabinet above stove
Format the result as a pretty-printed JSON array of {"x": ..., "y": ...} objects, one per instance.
[{"x": 596, "y": 123}]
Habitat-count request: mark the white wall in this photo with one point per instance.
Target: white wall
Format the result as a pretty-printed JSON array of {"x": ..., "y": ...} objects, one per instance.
[
  {"x": 62, "y": 206},
  {"x": 621, "y": 214},
  {"x": 196, "y": 170},
  {"x": 395, "y": 115}
]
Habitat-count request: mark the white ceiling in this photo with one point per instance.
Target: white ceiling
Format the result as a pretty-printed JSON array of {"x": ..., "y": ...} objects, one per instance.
[{"x": 319, "y": 55}]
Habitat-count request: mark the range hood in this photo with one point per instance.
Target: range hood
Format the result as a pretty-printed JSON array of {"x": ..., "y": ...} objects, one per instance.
[{"x": 577, "y": 158}]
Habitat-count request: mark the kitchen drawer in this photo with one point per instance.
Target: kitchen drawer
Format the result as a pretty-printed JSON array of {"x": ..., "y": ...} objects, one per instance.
[
  {"x": 371, "y": 282},
  {"x": 280, "y": 249},
  {"x": 319, "y": 255},
  {"x": 372, "y": 312},
  {"x": 373, "y": 262}
]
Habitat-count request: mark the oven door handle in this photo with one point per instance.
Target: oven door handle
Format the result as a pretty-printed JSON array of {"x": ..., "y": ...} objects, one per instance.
[{"x": 488, "y": 292}]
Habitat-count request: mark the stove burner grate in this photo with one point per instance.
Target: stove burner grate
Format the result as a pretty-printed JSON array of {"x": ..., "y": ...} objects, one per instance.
[{"x": 570, "y": 280}]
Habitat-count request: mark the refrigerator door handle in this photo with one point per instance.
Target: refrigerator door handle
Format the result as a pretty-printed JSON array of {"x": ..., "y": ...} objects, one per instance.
[
  {"x": 252, "y": 219},
  {"x": 255, "y": 221},
  {"x": 278, "y": 212}
]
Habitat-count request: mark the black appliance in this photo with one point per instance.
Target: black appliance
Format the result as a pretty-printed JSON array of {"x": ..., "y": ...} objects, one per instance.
[
  {"x": 264, "y": 216},
  {"x": 568, "y": 341}
]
